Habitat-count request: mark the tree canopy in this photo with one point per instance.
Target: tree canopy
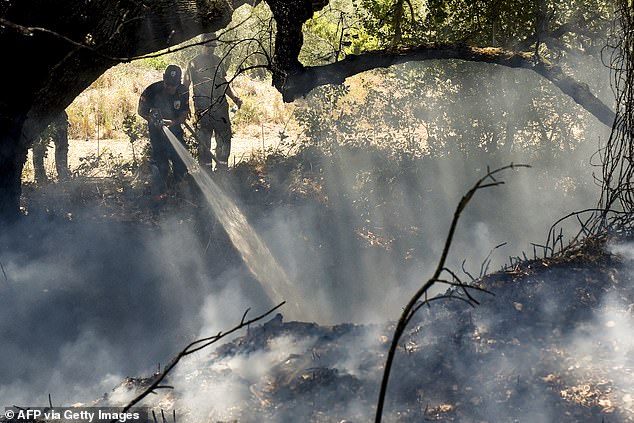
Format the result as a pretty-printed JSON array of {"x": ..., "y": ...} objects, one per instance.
[{"x": 58, "y": 48}]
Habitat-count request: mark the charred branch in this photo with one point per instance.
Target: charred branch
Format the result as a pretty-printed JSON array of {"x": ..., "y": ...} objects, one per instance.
[
  {"x": 415, "y": 303},
  {"x": 6, "y": 278},
  {"x": 190, "y": 349}
]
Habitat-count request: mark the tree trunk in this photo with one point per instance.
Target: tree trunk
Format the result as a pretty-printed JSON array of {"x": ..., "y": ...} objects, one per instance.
[{"x": 12, "y": 159}]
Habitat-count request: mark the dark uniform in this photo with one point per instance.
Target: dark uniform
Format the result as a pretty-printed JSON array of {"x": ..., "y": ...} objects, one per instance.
[
  {"x": 57, "y": 131},
  {"x": 167, "y": 100},
  {"x": 208, "y": 77}
]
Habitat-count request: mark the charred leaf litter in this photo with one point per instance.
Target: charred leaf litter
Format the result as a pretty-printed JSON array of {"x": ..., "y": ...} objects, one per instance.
[
  {"x": 552, "y": 344},
  {"x": 515, "y": 357}
]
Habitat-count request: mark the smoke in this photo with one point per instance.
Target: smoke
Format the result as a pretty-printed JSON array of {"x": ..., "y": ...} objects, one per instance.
[
  {"x": 234, "y": 381},
  {"x": 534, "y": 352},
  {"x": 92, "y": 301},
  {"x": 603, "y": 345},
  {"x": 403, "y": 207}
]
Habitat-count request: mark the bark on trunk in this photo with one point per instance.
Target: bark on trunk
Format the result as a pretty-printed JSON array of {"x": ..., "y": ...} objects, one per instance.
[{"x": 12, "y": 159}]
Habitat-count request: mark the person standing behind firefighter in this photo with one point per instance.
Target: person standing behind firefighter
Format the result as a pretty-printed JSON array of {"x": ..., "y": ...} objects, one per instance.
[
  {"x": 207, "y": 73},
  {"x": 165, "y": 103},
  {"x": 57, "y": 131}
]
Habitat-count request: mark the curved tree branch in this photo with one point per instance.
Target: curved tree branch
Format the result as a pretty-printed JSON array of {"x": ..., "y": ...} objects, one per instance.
[
  {"x": 302, "y": 80},
  {"x": 294, "y": 80}
]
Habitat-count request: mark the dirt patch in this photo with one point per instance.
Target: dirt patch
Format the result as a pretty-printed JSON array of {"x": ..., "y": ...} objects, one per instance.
[{"x": 243, "y": 148}]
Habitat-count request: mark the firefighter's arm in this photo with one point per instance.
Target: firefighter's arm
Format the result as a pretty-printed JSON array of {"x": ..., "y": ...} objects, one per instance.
[
  {"x": 153, "y": 116},
  {"x": 144, "y": 109}
]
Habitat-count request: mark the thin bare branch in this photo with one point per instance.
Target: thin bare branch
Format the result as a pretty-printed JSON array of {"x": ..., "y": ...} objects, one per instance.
[
  {"x": 484, "y": 267},
  {"x": 413, "y": 304},
  {"x": 189, "y": 350},
  {"x": 244, "y": 316},
  {"x": 464, "y": 270},
  {"x": 3, "y": 272}
]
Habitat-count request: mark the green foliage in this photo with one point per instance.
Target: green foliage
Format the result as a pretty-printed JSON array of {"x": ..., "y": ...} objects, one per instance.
[
  {"x": 336, "y": 115},
  {"x": 157, "y": 63},
  {"x": 463, "y": 110},
  {"x": 504, "y": 23},
  {"x": 382, "y": 19},
  {"x": 319, "y": 118},
  {"x": 324, "y": 40},
  {"x": 135, "y": 130},
  {"x": 248, "y": 41},
  {"x": 248, "y": 114}
]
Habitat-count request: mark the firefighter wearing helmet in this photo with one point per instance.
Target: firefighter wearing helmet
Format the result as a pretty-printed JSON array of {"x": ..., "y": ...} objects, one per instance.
[{"x": 165, "y": 103}]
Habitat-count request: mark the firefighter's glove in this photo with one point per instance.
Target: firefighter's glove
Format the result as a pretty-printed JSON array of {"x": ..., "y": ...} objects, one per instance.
[
  {"x": 156, "y": 122},
  {"x": 155, "y": 119}
]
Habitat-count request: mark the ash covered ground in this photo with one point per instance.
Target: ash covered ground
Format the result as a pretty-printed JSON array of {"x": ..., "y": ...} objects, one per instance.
[
  {"x": 100, "y": 290},
  {"x": 551, "y": 344}
]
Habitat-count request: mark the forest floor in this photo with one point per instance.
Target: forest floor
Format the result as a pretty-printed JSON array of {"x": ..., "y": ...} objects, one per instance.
[
  {"x": 552, "y": 343},
  {"x": 250, "y": 142}
]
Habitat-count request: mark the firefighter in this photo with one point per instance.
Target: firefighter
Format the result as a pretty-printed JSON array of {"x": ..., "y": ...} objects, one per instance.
[
  {"x": 207, "y": 74},
  {"x": 57, "y": 131},
  {"x": 165, "y": 103}
]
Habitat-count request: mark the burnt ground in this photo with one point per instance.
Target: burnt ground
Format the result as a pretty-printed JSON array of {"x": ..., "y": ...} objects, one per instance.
[
  {"x": 552, "y": 342},
  {"x": 540, "y": 349}
]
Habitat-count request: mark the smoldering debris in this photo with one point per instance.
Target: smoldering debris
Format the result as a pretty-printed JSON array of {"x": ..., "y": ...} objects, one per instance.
[{"x": 550, "y": 345}]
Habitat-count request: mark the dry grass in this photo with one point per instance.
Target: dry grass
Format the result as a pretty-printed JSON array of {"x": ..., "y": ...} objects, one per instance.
[{"x": 98, "y": 112}]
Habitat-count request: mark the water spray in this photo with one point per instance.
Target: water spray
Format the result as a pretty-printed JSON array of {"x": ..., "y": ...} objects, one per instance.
[
  {"x": 252, "y": 249},
  {"x": 191, "y": 130}
]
